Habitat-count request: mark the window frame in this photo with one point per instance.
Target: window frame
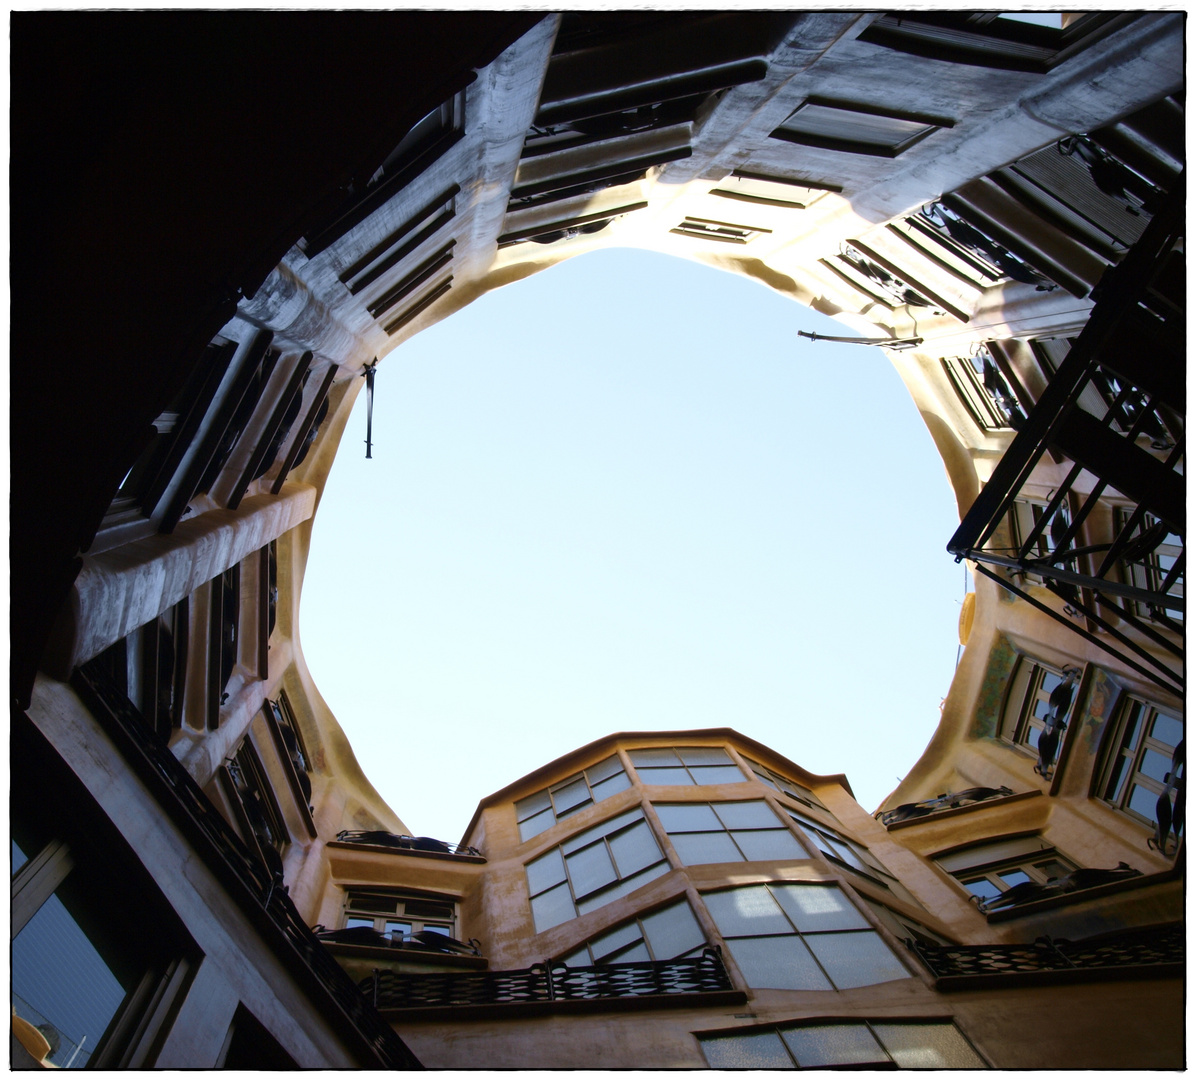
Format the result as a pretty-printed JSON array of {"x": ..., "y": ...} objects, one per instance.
[
  {"x": 586, "y": 948},
  {"x": 585, "y": 777},
  {"x": 891, "y": 149},
  {"x": 684, "y": 766},
  {"x": 357, "y": 905},
  {"x": 730, "y": 831},
  {"x": 1019, "y": 717},
  {"x": 969, "y": 865}
]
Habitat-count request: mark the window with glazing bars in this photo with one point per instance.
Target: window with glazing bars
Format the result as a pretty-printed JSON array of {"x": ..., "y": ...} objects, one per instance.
[
  {"x": 1028, "y": 702},
  {"x": 1153, "y": 566},
  {"x": 989, "y": 869},
  {"x": 727, "y": 832},
  {"x": 1139, "y": 758},
  {"x": 665, "y": 934},
  {"x": 804, "y": 936},
  {"x": 545, "y": 808},
  {"x": 839, "y": 848},
  {"x": 686, "y": 765},
  {"x": 398, "y": 916},
  {"x": 920, "y": 1044},
  {"x": 785, "y": 786},
  {"x": 983, "y": 391},
  {"x": 592, "y": 869},
  {"x": 902, "y": 926}
]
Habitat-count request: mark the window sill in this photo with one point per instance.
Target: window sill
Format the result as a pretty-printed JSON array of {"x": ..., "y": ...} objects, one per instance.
[
  {"x": 405, "y": 853},
  {"x": 390, "y": 956},
  {"x": 1081, "y": 895},
  {"x": 955, "y": 811}
]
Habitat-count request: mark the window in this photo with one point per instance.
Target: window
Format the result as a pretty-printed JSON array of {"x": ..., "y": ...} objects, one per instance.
[
  {"x": 785, "y": 786},
  {"x": 935, "y": 1044},
  {"x": 771, "y": 190},
  {"x": 666, "y": 934},
  {"x": 1153, "y": 560},
  {"x": 686, "y": 765},
  {"x": 224, "y": 625},
  {"x": 983, "y": 391},
  {"x": 255, "y": 807},
  {"x": 592, "y": 869},
  {"x": 544, "y": 809},
  {"x": 1141, "y": 760},
  {"x": 400, "y": 916},
  {"x": 707, "y": 229},
  {"x": 1008, "y": 41},
  {"x": 801, "y": 937},
  {"x": 281, "y": 720},
  {"x": 1036, "y": 691},
  {"x": 991, "y": 869},
  {"x": 840, "y": 849},
  {"x": 855, "y": 265},
  {"x": 727, "y": 832},
  {"x": 902, "y": 926},
  {"x": 1035, "y": 535},
  {"x": 856, "y": 129}
]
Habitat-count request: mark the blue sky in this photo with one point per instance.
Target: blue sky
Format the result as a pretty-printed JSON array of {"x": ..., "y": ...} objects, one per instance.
[{"x": 624, "y": 495}]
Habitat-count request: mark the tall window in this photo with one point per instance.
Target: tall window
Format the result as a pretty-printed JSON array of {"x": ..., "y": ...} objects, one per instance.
[
  {"x": 665, "y": 934},
  {"x": 1139, "y": 762},
  {"x": 1028, "y": 703},
  {"x": 727, "y": 832},
  {"x": 544, "y": 809},
  {"x": 934, "y": 1044},
  {"x": 255, "y": 805},
  {"x": 990, "y": 869},
  {"x": 686, "y": 765},
  {"x": 801, "y": 937},
  {"x": 1154, "y": 565},
  {"x": 853, "y": 855},
  {"x": 786, "y": 786},
  {"x": 592, "y": 869}
]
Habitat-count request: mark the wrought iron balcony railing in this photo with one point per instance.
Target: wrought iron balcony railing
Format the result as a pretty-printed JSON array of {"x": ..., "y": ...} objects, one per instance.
[
  {"x": 550, "y": 982},
  {"x": 417, "y": 844},
  {"x": 259, "y": 892},
  {"x": 949, "y": 801},
  {"x": 1150, "y": 951}
]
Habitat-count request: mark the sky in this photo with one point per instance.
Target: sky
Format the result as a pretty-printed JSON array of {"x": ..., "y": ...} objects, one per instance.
[{"x": 620, "y": 495}]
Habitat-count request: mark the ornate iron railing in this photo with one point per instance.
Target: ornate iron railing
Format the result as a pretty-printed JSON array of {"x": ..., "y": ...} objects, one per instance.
[
  {"x": 1133, "y": 305},
  {"x": 948, "y": 801},
  {"x": 549, "y": 982},
  {"x": 378, "y": 838},
  {"x": 1153, "y": 949},
  {"x": 259, "y": 892}
]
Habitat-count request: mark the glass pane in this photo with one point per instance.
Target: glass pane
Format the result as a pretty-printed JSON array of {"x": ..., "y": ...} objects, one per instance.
[
  {"x": 688, "y": 817},
  {"x": 604, "y": 789},
  {"x": 1054, "y": 868},
  {"x": 765, "y": 779},
  {"x": 750, "y": 910},
  {"x": 982, "y": 888},
  {"x": 614, "y": 940},
  {"x": 928, "y": 1046},
  {"x": 579, "y": 958},
  {"x": 552, "y": 908},
  {"x": 704, "y": 755},
  {"x": 1167, "y": 729},
  {"x": 768, "y": 844},
  {"x": 533, "y": 804},
  {"x": 1013, "y": 877},
  {"x": 818, "y": 907},
  {"x": 571, "y": 797},
  {"x": 666, "y": 776},
  {"x": 1155, "y": 765},
  {"x": 717, "y": 774},
  {"x": 1144, "y": 801},
  {"x": 845, "y": 125},
  {"x": 545, "y": 871},
  {"x": 859, "y": 959},
  {"x": 660, "y": 756},
  {"x": 634, "y": 849},
  {"x": 605, "y": 769},
  {"x": 757, "y": 1050},
  {"x": 590, "y": 869},
  {"x": 586, "y": 838},
  {"x": 1132, "y": 724},
  {"x": 62, "y": 985},
  {"x": 636, "y": 953},
  {"x": 782, "y": 963},
  {"x": 19, "y": 858},
  {"x": 621, "y": 888},
  {"x": 1117, "y": 779},
  {"x": 746, "y": 815},
  {"x": 834, "y": 1044},
  {"x": 673, "y": 931},
  {"x": 533, "y": 826},
  {"x": 694, "y": 849},
  {"x": 398, "y": 930},
  {"x": 357, "y": 920},
  {"x": 1032, "y": 736}
]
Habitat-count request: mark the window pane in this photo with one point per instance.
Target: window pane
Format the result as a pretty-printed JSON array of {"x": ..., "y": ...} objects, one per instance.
[
  {"x": 782, "y": 963},
  {"x": 1144, "y": 801},
  {"x": 758, "y": 1050},
  {"x": 605, "y": 769},
  {"x": 845, "y": 125},
  {"x": 614, "y": 940},
  {"x": 747, "y": 815},
  {"x": 982, "y": 888},
  {"x": 1167, "y": 729},
  {"x": 694, "y": 849},
  {"x": 358, "y": 920},
  {"x": 552, "y": 908},
  {"x": 660, "y": 756},
  {"x": 859, "y": 959},
  {"x": 688, "y": 817},
  {"x": 604, "y": 789},
  {"x": 768, "y": 844},
  {"x": 571, "y": 797},
  {"x": 673, "y": 931},
  {"x": 634, "y": 849},
  {"x": 401, "y": 929},
  {"x": 717, "y": 774},
  {"x": 704, "y": 755},
  {"x": 928, "y": 1046},
  {"x": 533, "y": 804},
  {"x": 533, "y": 826},
  {"x": 637, "y": 953},
  {"x": 665, "y": 776},
  {"x": 579, "y": 958},
  {"x": 584, "y": 839},
  {"x": 1155, "y": 765},
  {"x": 61, "y": 982},
  {"x": 545, "y": 871},
  {"x": 1013, "y": 877},
  {"x": 750, "y": 910},
  {"x": 1116, "y": 779},
  {"x": 818, "y": 907},
  {"x": 621, "y": 888},
  {"x": 590, "y": 869},
  {"x": 834, "y": 1044}
]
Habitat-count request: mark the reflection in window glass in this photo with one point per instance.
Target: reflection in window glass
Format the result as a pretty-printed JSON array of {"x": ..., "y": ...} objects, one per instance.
[
  {"x": 666, "y": 934},
  {"x": 727, "y": 832}
]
